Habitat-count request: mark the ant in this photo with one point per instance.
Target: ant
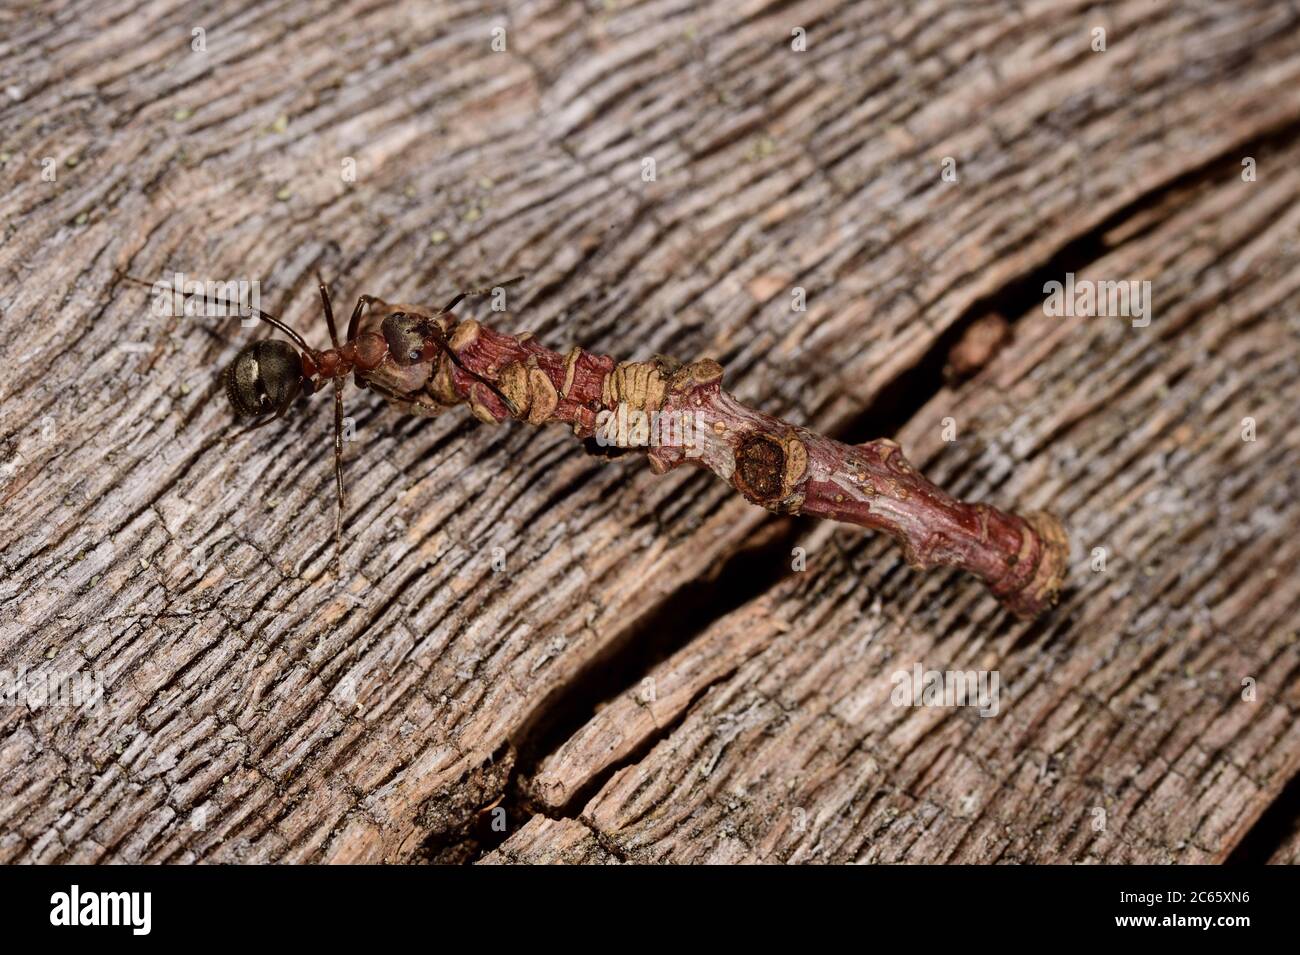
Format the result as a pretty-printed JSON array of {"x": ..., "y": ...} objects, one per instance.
[{"x": 267, "y": 376}]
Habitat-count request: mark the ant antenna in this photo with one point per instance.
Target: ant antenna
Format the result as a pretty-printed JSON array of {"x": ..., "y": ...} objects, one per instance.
[
  {"x": 455, "y": 359},
  {"x": 236, "y": 306},
  {"x": 475, "y": 293}
]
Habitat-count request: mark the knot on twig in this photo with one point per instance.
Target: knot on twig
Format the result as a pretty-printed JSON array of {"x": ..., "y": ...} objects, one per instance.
[{"x": 769, "y": 468}]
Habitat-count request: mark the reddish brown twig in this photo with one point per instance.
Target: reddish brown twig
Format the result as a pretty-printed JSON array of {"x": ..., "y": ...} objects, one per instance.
[{"x": 678, "y": 414}]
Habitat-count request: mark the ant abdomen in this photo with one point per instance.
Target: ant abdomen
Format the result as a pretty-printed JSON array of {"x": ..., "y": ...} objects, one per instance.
[{"x": 265, "y": 377}]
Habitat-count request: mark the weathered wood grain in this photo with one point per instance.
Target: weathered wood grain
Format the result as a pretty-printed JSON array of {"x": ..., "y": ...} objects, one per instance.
[
  {"x": 555, "y": 842},
  {"x": 1124, "y": 733},
  {"x": 254, "y": 708},
  {"x": 1288, "y": 853}
]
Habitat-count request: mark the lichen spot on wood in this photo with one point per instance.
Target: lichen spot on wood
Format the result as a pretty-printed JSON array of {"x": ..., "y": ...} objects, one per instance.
[{"x": 760, "y": 468}]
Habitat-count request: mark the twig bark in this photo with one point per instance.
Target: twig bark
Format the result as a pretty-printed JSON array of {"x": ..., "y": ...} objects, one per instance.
[{"x": 679, "y": 414}]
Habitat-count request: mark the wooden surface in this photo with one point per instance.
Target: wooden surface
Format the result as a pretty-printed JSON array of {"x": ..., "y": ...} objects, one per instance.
[{"x": 649, "y": 679}]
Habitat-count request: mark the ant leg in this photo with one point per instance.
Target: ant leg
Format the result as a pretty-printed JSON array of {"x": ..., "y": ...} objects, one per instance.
[
  {"x": 338, "y": 472},
  {"x": 479, "y": 291},
  {"x": 455, "y": 359},
  {"x": 329, "y": 312},
  {"x": 388, "y": 393},
  {"x": 355, "y": 320},
  {"x": 441, "y": 339},
  {"x": 279, "y": 413}
]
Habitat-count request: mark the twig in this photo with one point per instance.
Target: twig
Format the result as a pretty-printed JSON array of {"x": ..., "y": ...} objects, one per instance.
[{"x": 678, "y": 414}]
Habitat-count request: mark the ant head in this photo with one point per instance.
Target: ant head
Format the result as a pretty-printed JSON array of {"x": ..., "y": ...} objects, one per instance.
[
  {"x": 264, "y": 377},
  {"x": 413, "y": 336},
  {"x": 405, "y": 334}
]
